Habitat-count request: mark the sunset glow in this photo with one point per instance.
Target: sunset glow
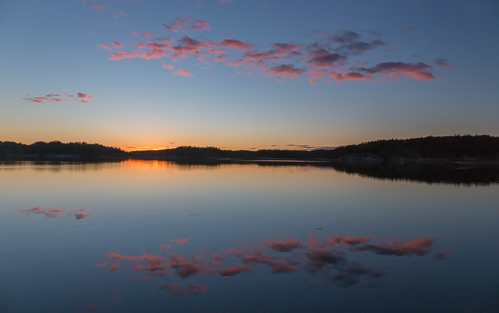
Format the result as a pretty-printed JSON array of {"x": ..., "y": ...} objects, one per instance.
[{"x": 246, "y": 75}]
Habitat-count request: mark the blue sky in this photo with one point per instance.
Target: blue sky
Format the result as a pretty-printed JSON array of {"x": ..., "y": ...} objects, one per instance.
[{"x": 247, "y": 74}]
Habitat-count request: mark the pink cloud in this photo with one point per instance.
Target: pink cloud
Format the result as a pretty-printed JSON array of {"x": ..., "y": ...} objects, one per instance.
[
  {"x": 320, "y": 57},
  {"x": 312, "y": 81},
  {"x": 200, "y": 25},
  {"x": 231, "y": 271},
  {"x": 285, "y": 48},
  {"x": 236, "y": 44},
  {"x": 183, "y": 25},
  {"x": 286, "y": 70},
  {"x": 166, "y": 247},
  {"x": 97, "y": 6},
  {"x": 269, "y": 55},
  {"x": 84, "y": 96},
  {"x": 117, "y": 14},
  {"x": 236, "y": 63},
  {"x": 114, "y": 267},
  {"x": 167, "y": 66},
  {"x": 352, "y": 76},
  {"x": 51, "y": 98},
  {"x": 54, "y": 98},
  {"x": 145, "y": 35},
  {"x": 324, "y": 59},
  {"x": 419, "y": 71},
  {"x": 317, "y": 74},
  {"x": 156, "y": 53},
  {"x": 181, "y": 241},
  {"x": 182, "y": 73},
  {"x": 117, "y": 45},
  {"x": 225, "y": 1},
  {"x": 443, "y": 63}
]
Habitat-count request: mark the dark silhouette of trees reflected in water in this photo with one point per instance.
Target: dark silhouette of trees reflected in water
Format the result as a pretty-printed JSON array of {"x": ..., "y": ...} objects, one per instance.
[
  {"x": 439, "y": 173},
  {"x": 466, "y": 175}
]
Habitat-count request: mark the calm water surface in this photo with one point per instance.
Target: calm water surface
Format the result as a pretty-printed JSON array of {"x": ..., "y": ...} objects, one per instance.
[{"x": 149, "y": 236}]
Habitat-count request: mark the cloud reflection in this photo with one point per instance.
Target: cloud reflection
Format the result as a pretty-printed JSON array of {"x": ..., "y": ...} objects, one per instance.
[
  {"x": 179, "y": 290},
  {"x": 56, "y": 212},
  {"x": 327, "y": 259}
]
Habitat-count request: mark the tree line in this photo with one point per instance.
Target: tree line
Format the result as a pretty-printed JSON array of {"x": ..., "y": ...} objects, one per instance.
[
  {"x": 57, "y": 149},
  {"x": 447, "y": 147}
]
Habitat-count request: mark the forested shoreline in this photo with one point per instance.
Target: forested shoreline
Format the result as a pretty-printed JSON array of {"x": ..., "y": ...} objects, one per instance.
[{"x": 466, "y": 148}]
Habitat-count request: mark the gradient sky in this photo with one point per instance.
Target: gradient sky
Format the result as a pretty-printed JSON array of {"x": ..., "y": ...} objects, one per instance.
[{"x": 241, "y": 74}]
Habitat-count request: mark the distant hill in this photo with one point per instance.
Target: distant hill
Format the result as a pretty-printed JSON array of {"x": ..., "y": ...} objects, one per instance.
[
  {"x": 448, "y": 147},
  {"x": 479, "y": 148},
  {"x": 212, "y": 153},
  {"x": 57, "y": 150}
]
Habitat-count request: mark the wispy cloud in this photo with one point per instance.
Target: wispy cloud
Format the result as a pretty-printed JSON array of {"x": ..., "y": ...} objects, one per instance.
[
  {"x": 55, "y": 98},
  {"x": 144, "y": 35},
  {"x": 168, "y": 66},
  {"x": 352, "y": 76},
  {"x": 181, "y": 241},
  {"x": 182, "y": 73},
  {"x": 56, "y": 212},
  {"x": 419, "y": 71},
  {"x": 443, "y": 63},
  {"x": 321, "y": 58},
  {"x": 184, "y": 25},
  {"x": 286, "y": 71},
  {"x": 97, "y": 6},
  {"x": 324, "y": 59},
  {"x": 236, "y": 44}
]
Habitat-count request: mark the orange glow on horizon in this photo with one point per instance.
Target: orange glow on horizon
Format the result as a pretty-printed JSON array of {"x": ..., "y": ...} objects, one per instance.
[{"x": 144, "y": 148}]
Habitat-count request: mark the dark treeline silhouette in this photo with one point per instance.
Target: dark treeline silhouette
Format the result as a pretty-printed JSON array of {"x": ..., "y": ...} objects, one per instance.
[
  {"x": 479, "y": 148},
  {"x": 449, "y": 147},
  {"x": 57, "y": 150},
  {"x": 212, "y": 153}
]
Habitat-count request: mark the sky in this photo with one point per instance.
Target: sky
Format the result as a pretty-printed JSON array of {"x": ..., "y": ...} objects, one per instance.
[{"x": 241, "y": 74}]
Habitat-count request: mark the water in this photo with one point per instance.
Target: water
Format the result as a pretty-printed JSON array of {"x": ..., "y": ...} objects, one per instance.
[{"x": 147, "y": 236}]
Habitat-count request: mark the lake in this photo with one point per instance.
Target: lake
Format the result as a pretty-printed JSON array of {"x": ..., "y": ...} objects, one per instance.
[{"x": 153, "y": 236}]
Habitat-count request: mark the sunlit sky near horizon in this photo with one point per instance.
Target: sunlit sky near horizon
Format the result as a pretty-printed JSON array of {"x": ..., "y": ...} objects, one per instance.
[{"x": 240, "y": 74}]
